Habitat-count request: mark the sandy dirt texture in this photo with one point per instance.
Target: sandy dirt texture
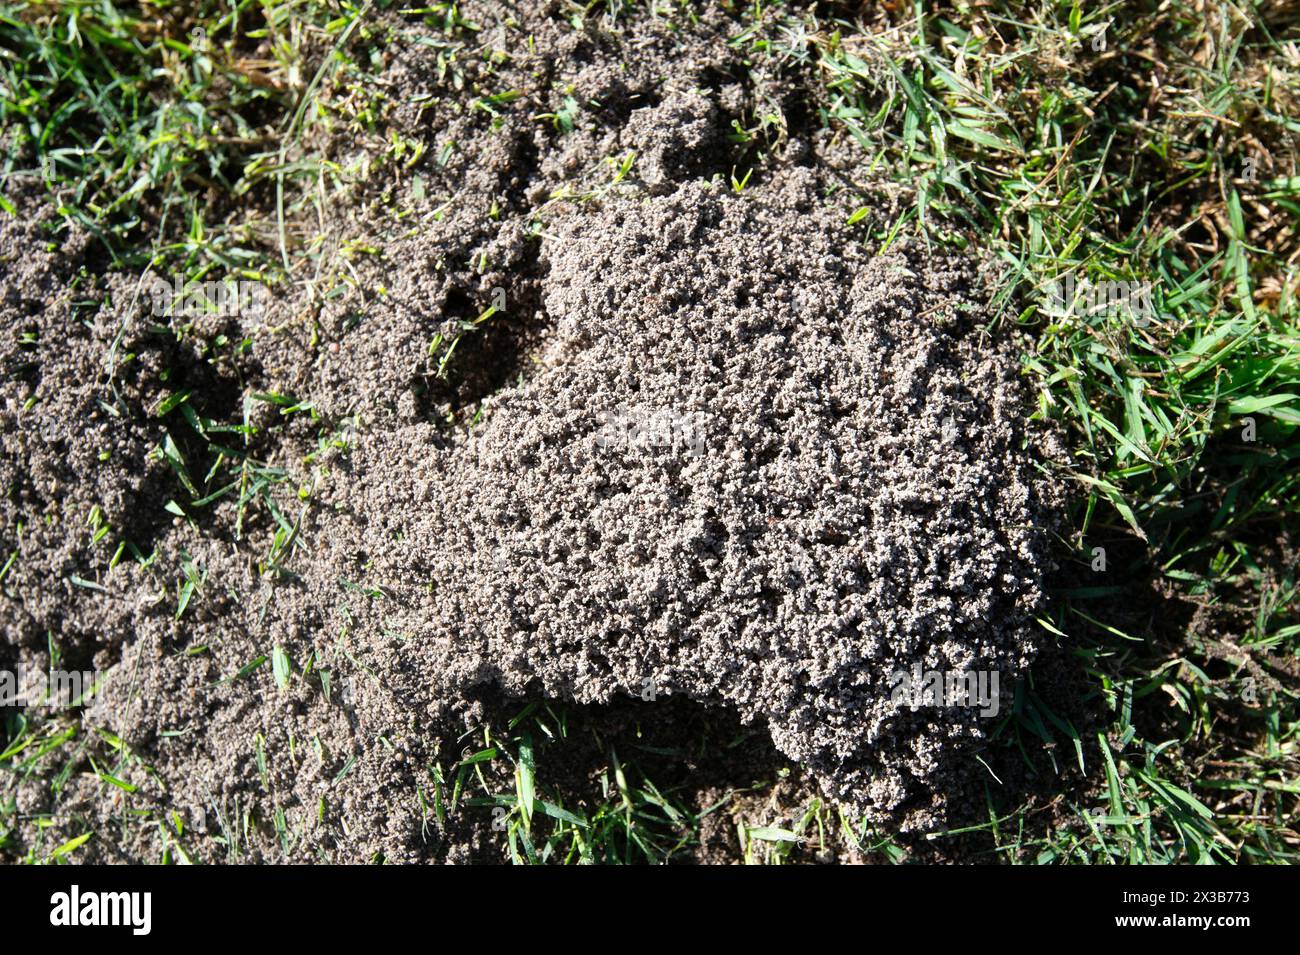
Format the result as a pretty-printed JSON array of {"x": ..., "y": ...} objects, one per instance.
[{"x": 711, "y": 449}]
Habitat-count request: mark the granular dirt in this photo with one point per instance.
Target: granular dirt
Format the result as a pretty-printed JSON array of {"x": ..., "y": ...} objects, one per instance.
[
  {"x": 713, "y": 453},
  {"x": 827, "y": 488}
]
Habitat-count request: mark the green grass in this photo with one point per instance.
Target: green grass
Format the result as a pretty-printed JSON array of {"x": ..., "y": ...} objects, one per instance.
[
  {"x": 631, "y": 821},
  {"x": 1039, "y": 128},
  {"x": 1183, "y": 432}
]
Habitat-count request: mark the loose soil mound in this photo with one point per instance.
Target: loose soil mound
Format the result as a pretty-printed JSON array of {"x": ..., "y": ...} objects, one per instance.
[
  {"x": 725, "y": 455},
  {"x": 828, "y": 488}
]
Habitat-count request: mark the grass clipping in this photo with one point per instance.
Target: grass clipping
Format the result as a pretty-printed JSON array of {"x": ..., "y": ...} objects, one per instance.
[{"x": 757, "y": 467}]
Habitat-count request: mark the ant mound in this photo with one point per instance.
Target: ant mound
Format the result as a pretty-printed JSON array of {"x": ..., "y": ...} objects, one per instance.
[{"x": 757, "y": 467}]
